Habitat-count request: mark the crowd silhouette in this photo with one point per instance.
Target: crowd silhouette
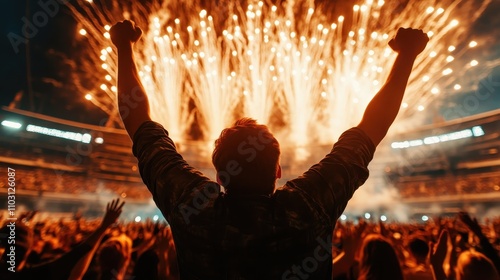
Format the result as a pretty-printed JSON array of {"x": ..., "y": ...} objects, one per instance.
[{"x": 456, "y": 247}]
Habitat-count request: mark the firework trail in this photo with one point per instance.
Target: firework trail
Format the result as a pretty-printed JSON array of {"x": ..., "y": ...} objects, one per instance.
[{"x": 307, "y": 71}]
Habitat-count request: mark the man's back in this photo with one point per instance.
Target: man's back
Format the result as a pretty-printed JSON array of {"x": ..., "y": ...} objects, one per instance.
[
  {"x": 326, "y": 187},
  {"x": 254, "y": 237},
  {"x": 286, "y": 235}
]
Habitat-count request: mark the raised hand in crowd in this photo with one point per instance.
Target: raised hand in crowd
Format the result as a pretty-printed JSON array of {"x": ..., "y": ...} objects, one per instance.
[
  {"x": 438, "y": 255},
  {"x": 352, "y": 238},
  {"x": 113, "y": 211},
  {"x": 487, "y": 248},
  {"x": 167, "y": 266}
]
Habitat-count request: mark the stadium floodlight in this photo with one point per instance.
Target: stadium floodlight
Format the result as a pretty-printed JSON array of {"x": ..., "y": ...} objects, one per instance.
[
  {"x": 343, "y": 217},
  {"x": 383, "y": 218},
  {"x": 11, "y": 124},
  {"x": 84, "y": 138},
  {"x": 99, "y": 140},
  {"x": 475, "y": 131},
  {"x": 155, "y": 218},
  {"x": 425, "y": 218},
  {"x": 137, "y": 219},
  {"x": 367, "y": 215}
]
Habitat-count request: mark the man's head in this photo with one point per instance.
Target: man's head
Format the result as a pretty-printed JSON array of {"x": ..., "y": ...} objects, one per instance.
[{"x": 246, "y": 157}]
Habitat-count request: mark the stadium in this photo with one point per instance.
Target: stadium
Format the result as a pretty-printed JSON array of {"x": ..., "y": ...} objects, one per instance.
[
  {"x": 65, "y": 166},
  {"x": 203, "y": 66}
]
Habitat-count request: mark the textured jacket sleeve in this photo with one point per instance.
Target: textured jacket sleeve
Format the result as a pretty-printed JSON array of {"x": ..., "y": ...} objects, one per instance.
[
  {"x": 332, "y": 182},
  {"x": 167, "y": 175}
]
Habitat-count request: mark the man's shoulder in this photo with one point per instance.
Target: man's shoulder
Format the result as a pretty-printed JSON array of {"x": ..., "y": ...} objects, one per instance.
[
  {"x": 355, "y": 136},
  {"x": 296, "y": 202},
  {"x": 147, "y": 127}
]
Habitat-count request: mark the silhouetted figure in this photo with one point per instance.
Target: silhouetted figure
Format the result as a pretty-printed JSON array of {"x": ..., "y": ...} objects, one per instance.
[
  {"x": 419, "y": 268},
  {"x": 71, "y": 265},
  {"x": 113, "y": 257},
  {"x": 474, "y": 265},
  {"x": 253, "y": 231},
  {"x": 379, "y": 260}
]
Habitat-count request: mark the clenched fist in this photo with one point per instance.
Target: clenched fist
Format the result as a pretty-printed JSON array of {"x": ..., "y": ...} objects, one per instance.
[
  {"x": 125, "y": 33},
  {"x": 409, "y": 41}
]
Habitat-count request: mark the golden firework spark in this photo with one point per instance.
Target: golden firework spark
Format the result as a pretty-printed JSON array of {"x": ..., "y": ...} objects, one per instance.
[{"x": 307, "y": 73}]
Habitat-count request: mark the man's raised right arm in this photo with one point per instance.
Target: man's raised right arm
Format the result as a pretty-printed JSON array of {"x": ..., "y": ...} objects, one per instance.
[{"x": 333, "y": 181}]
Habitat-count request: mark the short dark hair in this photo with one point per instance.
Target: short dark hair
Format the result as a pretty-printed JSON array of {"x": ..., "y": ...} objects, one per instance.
[
  {"x": 379, "y": 259},
  {"x": 418, "y": 247},
  {"x": 246, "y": 158}
]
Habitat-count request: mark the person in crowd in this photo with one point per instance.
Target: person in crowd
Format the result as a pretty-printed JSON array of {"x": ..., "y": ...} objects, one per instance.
[
  {"x": 473, "y": 265},
  {"x": 346, "y": 263},
  {"x": 418, "y": 268},
  {"x": 379, "y": 260},
  {"x": 113, "y": 257},
  {"x": 63, "y": 266},
  {"x": 487, "y": 248},
  {"x": 251, "y": 230},
  {"x": 469, "y": 264},
  {"x": 145, "y": 250}
]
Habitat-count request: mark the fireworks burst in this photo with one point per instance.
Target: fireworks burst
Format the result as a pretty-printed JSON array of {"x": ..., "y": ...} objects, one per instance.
[{"x": 307, "y": 73}]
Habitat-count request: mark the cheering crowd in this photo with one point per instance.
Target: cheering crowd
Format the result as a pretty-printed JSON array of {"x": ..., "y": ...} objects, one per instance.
[
  {"x": 442, "y": 248},
  {"x": 242, "y": 226}
]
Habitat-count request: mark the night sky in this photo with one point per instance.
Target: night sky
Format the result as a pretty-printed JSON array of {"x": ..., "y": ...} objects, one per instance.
[{"x": 53, "y": 48}]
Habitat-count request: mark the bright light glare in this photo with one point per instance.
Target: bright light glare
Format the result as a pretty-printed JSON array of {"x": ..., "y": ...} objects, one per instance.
[
  {"x": 425, "y": 218},
  {"x": 11, "y": 124},
  {"x": 383, "y": 218},
  {"x": 137, "y": 219},
  {"x": 367, "y": 215},
  {"x": 475, "y": 131},
  {"x": 447, "y": 71},
  {"x": 84, "y": 138},
  {"x": 274, "y": 55},
  {"x": 343, "y": 217}
]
